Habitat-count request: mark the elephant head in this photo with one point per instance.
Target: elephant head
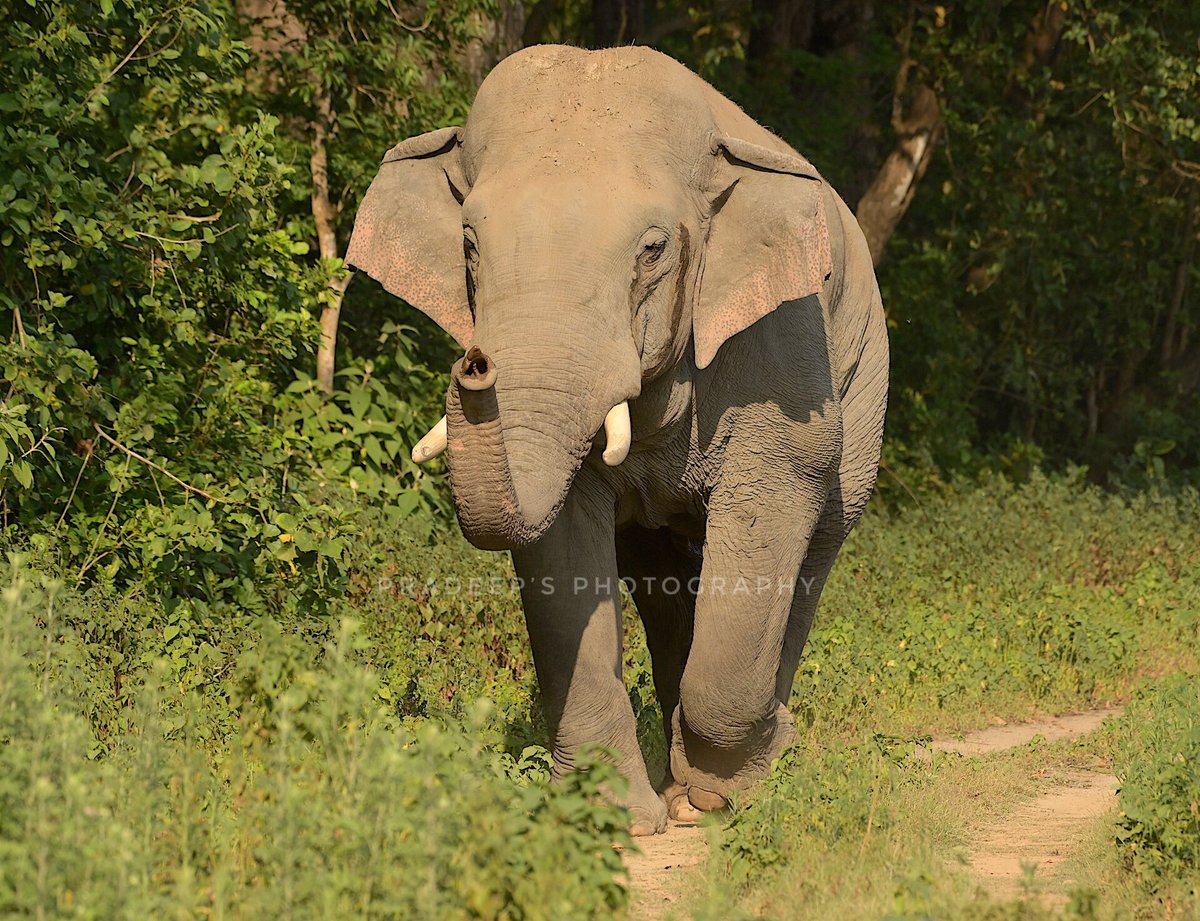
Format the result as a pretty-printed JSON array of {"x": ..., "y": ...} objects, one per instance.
[{"x": 602, "y": 216}]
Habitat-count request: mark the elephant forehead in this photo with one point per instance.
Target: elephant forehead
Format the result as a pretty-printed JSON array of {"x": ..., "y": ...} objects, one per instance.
[
  {"x": 519, "y": 214},
  {"x": 559, "y": 109}
]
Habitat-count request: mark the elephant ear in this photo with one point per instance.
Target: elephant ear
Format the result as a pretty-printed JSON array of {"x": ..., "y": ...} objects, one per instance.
[
  {"x": 408, "y": 231},
  {"x": 768, "y": 242}
]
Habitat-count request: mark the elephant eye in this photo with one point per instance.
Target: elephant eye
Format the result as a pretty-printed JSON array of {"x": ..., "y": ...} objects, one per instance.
[{"x": 651, "y": 253}]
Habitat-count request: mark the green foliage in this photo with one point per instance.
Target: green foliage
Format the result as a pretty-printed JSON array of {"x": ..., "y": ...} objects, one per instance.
[
  {"x": 156, "y": 304},
  {"x": 1052, "y": 593},
  {"x": 1158, "y": 764},
  {"x": 1022, "y": 306},
  {"x": 158, "y": 430},
  {"x": 318, "y": 804},
  {"x": 360, "y": 436}
]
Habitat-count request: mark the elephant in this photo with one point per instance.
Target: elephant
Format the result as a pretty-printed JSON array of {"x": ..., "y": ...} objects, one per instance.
[{"x": 674, "y": 378}]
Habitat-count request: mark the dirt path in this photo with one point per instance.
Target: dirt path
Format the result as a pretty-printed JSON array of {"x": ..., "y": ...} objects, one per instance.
[
  {"x": 1010, "y": 735},
  {"x": 1041, "y": 832},
  {"x": 658, "y": 875}
]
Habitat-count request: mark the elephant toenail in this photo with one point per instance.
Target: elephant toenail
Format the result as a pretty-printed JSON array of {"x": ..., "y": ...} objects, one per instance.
[{"x": 706, "y": 801}]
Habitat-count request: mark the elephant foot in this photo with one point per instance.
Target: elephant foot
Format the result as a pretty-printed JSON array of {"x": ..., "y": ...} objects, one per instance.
[
  {"x": 706, "y": 801},
  {"x": 711, "y": 773},
  {"x": 648, "y": 818},
  {"x": 679, "y": 808}
]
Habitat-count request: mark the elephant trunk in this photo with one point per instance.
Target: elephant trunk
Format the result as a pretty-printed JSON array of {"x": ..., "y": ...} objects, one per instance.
[
  {"x": 517, "y": 432},
  {"x": 484, "y": 493}
]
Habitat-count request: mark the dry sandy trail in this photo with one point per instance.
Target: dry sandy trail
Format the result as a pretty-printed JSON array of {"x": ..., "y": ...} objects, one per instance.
[
  {"x": 658, "y": 876},
  {"x": 1044, "y": 831},
  {"x": 1010, "y": 735},
  {"x": 1041, "y": 831}
]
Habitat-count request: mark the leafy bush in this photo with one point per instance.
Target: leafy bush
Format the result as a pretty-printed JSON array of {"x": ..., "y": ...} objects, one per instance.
[
  {"x": 157, "y": 304},
  {"x": 1002, "y": 597},
  {"x": 158, "y": 431},
  {"x": 321, "y": 804},
  {"x": 1158, "y": 834}
]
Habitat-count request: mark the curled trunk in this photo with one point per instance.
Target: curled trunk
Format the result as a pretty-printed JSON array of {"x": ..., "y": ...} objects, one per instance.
[
  {"x": 484, "y": 493},
  {"x": 525, "y": 406},
  {"x": 514, "y": 445}
]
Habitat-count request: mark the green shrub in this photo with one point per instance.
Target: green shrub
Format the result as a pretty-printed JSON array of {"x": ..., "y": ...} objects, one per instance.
[
  {"x": 818, "y": 795},
  {"x": 159, "y": 429},
  {"x": 157, "y": 304},
  {"x": 1158, "y": 833},
  {"x": 321, "y": 804}
]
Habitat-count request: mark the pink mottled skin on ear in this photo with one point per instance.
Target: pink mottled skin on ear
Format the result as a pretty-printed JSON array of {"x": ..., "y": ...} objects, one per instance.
[
  {"x": 768, "y": 245},
  {"x": 408, "y": 231}
]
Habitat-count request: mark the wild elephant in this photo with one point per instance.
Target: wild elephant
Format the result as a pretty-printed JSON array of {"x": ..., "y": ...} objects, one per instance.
[{"x": 675, "y": 373}]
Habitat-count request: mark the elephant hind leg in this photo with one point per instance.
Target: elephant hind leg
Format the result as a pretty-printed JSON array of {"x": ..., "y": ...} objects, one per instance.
[{"x": 661, "y": 574}]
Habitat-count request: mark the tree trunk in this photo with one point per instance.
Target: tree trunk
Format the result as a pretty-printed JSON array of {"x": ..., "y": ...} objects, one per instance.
[
  {"x": 273, "y": 30},
  {"x": 502, "y": 36},
  {"x": 324, "y": 216},
  {"x": 1183, "y": 275},
  {"x": 917, "y": 132}
]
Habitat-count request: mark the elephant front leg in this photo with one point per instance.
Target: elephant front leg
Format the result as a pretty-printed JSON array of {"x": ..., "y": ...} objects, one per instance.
[
  {"x": 571, "y": 594},
  {"x": 729, "y": 725}
]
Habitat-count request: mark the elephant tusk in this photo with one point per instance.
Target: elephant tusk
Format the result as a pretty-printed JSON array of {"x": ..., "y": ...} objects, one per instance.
[
  {"x": 432, "y": 444},
  {"x": 618, "y": 434}
]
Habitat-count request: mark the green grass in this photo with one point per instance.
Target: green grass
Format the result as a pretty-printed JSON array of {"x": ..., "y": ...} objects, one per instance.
[
  {"x": 313, "y": 799},
  {"x": 1001, "y": 600},
  {"x": 383, "y": 759},
  {"x": 998, "y": 601}
]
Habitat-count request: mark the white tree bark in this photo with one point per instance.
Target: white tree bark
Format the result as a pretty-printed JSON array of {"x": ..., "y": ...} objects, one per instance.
[
  {"x": 273, "y": 30},
  {"x": 917, "y": 132}
]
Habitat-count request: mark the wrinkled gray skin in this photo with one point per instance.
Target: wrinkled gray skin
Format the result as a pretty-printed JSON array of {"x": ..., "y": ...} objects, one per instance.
[{"x": 607, "y": 227}]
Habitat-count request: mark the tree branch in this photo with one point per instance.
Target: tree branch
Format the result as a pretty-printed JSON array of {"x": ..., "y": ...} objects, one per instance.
[
  {"x": 149, "y": 463},
  {"x": 125, "y": 60}
]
